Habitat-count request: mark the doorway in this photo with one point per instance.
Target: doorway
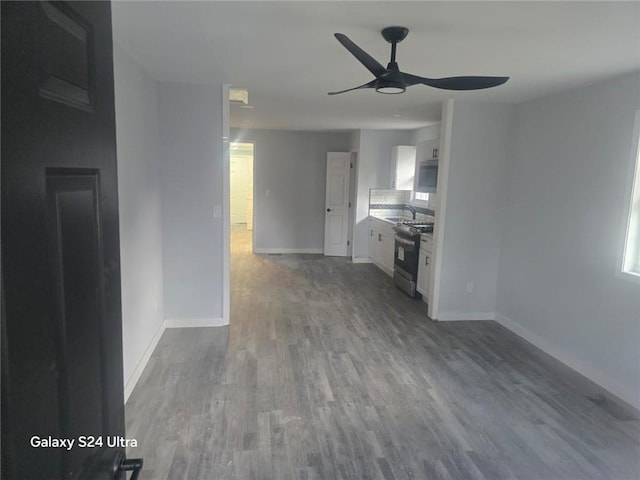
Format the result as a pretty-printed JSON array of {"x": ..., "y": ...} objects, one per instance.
[{"x": 241, "y": 195}]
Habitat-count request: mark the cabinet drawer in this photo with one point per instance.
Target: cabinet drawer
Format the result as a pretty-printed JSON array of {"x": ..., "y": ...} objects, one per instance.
[
  {"x": 426, "y": 243},
  {"x": 381, "y": 225}
]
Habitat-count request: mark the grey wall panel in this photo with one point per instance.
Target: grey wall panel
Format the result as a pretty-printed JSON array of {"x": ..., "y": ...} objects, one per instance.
[
  {"x": 563, "y": 231},
  {"x": 480, "y": 153},
  {"x": 192, "y": 165},
  {"x": 139, "y": 191}
]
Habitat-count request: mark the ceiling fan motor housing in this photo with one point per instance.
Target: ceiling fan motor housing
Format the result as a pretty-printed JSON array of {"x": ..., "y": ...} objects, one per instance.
[{"x": 394, "y": 34}]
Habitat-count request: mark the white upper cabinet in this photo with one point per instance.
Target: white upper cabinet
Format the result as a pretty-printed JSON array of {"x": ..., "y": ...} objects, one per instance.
[{"x": 403, "y": 167}]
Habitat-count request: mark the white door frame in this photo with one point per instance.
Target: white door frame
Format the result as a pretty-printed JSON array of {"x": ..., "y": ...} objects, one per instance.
[
  {"x": 226, "y": 206},
  {"x": 441, "y": 189},
  {"x": 353, "y": 200}
]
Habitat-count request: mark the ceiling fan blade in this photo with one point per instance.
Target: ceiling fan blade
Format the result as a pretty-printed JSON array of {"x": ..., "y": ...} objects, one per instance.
[
  {"x": 370, "y": 84},
  {"x": 363, "y": 57},
  {"x": 455, "y": 83}
]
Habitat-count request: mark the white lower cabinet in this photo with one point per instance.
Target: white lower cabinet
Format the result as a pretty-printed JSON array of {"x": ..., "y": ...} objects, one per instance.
[
  {"x": 381, "y": 244},
  {"x": 388, "y": 252},
  {"x": 424, "y": 269},
  {"x": 373, "y": 242}
]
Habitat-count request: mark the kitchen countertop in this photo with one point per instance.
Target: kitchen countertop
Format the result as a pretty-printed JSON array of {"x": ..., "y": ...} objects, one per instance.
[
  {"x": 394, "y": 220},
  {"x": 391, "y": 220}
]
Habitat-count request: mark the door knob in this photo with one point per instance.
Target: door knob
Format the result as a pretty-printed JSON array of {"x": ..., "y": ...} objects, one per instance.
[
  {"x": 328, "y": 209},
  {"x": 123, "y": 464}
]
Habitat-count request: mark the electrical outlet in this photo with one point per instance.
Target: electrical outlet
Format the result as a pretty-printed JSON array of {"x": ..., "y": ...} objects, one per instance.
[{"x": 469, "y": 287}]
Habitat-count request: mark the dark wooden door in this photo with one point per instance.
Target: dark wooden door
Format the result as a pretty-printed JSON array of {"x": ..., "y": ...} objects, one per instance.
[{"x": 61, "y": 316}]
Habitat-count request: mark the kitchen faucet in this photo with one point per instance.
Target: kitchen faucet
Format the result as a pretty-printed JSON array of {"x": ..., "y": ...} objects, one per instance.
[{"x": 412, "y": 209}]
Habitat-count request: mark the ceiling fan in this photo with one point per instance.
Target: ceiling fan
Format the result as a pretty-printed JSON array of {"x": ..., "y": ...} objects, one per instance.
[{"x": 391, "y": 80}]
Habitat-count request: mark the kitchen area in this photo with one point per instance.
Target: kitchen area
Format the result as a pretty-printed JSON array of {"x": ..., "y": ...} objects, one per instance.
[{"x": 402, "y": 218}]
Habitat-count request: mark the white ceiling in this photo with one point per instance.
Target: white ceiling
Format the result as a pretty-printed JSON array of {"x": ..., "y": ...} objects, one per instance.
[{"x": 286, "y": 55}]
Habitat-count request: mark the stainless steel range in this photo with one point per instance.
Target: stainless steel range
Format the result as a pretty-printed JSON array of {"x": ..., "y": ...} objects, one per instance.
[{"x": 407, "y": 248}]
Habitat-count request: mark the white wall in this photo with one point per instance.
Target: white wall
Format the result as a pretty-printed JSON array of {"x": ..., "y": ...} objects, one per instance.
[
  {"x": 563, "y": 230},
  {"x": 479, "y": 154},
  {"x": 374, "y": 169},
  {"x": 291, "y": 165},
  {"x": 354, "y": 146},
  {"x": 137, "y": 131},
  {"x": 191, "y": 150},
  {"x": 354, "y": 140},
  {"x": 424, "y": 134}
]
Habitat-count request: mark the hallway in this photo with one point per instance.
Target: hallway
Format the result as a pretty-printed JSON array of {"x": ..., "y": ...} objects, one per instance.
[{"x": 328, "y": 372}]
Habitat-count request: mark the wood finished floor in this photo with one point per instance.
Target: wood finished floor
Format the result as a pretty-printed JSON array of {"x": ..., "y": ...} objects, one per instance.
[{"x": 328, "y": 372}]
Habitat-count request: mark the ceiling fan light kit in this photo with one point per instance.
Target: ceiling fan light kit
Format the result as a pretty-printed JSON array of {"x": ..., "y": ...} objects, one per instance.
[
  {"x": 391, "y": 80},
  {"x": 392, "y": 84},
  {"x": 390, "y": 89}
]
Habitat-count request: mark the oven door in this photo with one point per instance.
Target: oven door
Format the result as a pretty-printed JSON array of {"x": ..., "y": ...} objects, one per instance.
[{"x": 406, "y": 255}]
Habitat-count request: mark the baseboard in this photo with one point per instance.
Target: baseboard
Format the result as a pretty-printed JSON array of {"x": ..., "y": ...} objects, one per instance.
[
  {"x": 142, "y": 363},
  {"x": 361, "y": 260},
  {"x": 625, "y": 394},
  {"x": 288, "y": 250},
  {"x": 195, "y": 322},
  {"x": 458, "y": 317}
]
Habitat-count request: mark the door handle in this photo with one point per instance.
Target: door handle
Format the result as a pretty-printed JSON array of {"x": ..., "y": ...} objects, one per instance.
[
  {"x": 123, "y": 464},
  {"x": 328, "y": 209}
]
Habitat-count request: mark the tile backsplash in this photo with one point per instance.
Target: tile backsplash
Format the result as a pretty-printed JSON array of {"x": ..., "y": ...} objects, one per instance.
[
  {"x": 392, "y": 203},
  {"x": 424, "y": 215},
  {"x": 389, "y": 197}
]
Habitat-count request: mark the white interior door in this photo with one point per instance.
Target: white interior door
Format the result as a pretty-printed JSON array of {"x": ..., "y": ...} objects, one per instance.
[
  {"x": 250, "y": 191},
  {"x": 336, "y": 216},
  {"x": 238, "y": 189}
]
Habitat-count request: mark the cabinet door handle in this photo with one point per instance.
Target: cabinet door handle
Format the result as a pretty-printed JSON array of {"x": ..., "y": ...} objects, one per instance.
[
  {"x": 371, "y": 233},
  {"x": 426, "y": 261},
  {"x": 379, "y": 237}
]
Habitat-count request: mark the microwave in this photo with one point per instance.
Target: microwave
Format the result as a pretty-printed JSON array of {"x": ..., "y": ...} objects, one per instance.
[{"x": 427, "y": 176}]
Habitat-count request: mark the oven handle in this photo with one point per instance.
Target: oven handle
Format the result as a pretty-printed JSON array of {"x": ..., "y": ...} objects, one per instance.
[{"x": 406, "y": 244}]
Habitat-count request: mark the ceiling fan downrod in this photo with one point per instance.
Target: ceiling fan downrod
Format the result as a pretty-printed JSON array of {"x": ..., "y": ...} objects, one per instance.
[
  {"x": 391, "y": 82},
  {"x": 394, "y": 35},
  {"x": 393, "y": 65}
]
